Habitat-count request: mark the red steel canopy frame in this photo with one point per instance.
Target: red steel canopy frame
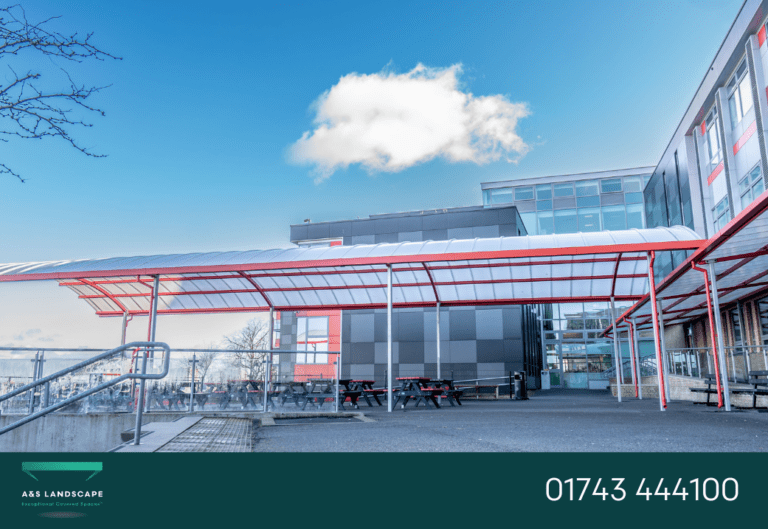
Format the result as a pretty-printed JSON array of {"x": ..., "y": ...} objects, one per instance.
[
  {"x": 499, "y": 271},
  {"x": 597, "y": 267},
  {"x": 737, "y": 266}
]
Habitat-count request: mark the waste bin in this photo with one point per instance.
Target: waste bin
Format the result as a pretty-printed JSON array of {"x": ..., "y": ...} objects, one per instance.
[
  {"x": 545, "y": 383},
  {"x": 521, "y": 391}
]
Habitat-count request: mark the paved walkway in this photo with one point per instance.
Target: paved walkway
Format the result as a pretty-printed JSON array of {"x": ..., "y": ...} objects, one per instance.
[{"x": 551, "y": 421}]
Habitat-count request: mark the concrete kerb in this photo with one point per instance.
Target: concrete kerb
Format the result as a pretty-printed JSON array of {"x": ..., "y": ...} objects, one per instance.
[{"x": 268, "y": 419}]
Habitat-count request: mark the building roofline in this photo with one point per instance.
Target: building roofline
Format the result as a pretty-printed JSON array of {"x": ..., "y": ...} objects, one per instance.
[{"x": 634, "y": 171}]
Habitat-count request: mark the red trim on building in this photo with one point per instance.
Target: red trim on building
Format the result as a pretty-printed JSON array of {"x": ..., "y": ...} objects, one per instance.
[
  {"x": 335, "y": 243},
  {"x": 761, "y": 36},
  {"x": 703, "y": 128},
  {"x": 715, "y": 173},
  {"x": 744, "y": 137}
]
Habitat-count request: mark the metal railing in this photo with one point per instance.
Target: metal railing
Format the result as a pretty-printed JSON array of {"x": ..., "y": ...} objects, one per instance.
[
  {"x": 71, "y": 390},
  {"x": 698, "y": 362}
]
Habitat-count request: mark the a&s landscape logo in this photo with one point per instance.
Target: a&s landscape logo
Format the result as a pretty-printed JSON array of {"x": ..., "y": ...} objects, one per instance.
[{"x": 60, "y": 489}]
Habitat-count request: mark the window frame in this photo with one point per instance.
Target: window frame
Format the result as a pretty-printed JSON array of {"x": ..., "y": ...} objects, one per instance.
[{"x": 734, "y": 87}]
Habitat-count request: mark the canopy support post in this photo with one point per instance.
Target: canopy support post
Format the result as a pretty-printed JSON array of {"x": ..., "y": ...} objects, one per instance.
[
  {"x": 664, "y": 359},
  {"x": 633, "y": 355},
  {"x": 616, "y": 349},
  {"x": 268, "y": 373},
  {"x": 152, "y": 328},
  {"x": 719, "y": 328},
  {"x": 713, "y": 336},
  {"x": 636, "y": 348},
  {"x": 390, "y": 396},
  {"x": 656, "y": 341},
  {"x": 124, "y": 328},
  {"x": 439, "y": 375}
]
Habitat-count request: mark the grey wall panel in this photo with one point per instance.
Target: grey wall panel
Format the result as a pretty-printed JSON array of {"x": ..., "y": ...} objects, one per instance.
[
  {"x": 361, "y": 353},
  {"x": 512, "y": 321},
  {"x": 363, "y": 227},
  {"x": 435, "y": 235},
  {"x": 508, "y": 230},
  {"x": 380, "y": 352},
  {"x": 299, "y": 233},
  {"x": 362, "y": 328},
  {"x": 438, "y": 222},
  {"x": 489, "y": 324},
  {"x": 318, "y": 231},
  {"x": 380, "y": 238},
  {"x": 410, "y": 236},
  {"x": 513, "y": 350},
  {"x": 341, "y": 229},
  {"x": 408, "y": 224},
  {"x": 485, "y": 232},
  {"x": 412, "y": 370},
  {"x": 464, "y": 351},
  {"x": 388, "y": 225},
  {"x": 411, "y": 352},
  {"x": 490, "y": 351},
  {"x": 462, "y": 325},
  {"x": 411, "y": 327},
  {"x": 363, "y": 239},
  {"x": 380, "y": 326},
  {"x": 460, "y": 233},
  {"x": 362, "y": 372}
]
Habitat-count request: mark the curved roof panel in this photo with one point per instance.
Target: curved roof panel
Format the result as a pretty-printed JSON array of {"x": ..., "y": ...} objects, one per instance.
[{"x": 504, "y": 270}]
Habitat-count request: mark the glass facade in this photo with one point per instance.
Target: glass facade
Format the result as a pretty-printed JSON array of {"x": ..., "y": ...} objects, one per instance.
[
  {"x": 576, "y": 355},
  {"x": 605, "y": 204}
]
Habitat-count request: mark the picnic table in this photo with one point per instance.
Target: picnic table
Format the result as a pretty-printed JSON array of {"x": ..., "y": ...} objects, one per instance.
[
  {"x": 450, "y": 392},
  {"x": 301, "y": 393},
  {"x": 354, "y": 389},
  {"x": 418, "y": 389}
]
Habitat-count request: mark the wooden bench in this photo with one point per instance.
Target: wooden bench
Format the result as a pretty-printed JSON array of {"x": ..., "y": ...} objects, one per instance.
[
  {"x": 759, "y": 382},
  {"x": 711, "y": 389}
]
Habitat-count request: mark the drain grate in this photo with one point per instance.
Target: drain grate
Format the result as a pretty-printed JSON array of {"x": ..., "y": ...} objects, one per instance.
[
  {"x": 214, "y": 435},
  {"x": 314, "y": 420}
]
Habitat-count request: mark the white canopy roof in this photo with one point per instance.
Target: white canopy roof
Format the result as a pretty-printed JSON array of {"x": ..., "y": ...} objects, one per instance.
[{"x": 504, "y": 270}]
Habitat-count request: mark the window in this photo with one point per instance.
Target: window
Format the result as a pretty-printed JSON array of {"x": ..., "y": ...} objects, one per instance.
[
  {"x": 721, "y": 214},
  {"x": 529, "y": 221},
  {"x": 751, "y": 186},
  {"x": 545, "y": 225},
  {"x": 739, "y": 94},
  {"x": 633, "y": 198},
  {"x": 501, "y": 196},
  {"x": 524, "y": 193},
  {"x": 544, "y": 192},
  {"x": 584, "y": 202},
  {"x": 312, "y": 336},
  {"x": 614, "y": 218},
  {"x": 633, "y": 184},
  {"x": 635, "y": 216},
  {"x": 586, "y": 188},
  {"x": 566, "y": 221},
  {"x": 589, "y": 219},
  {"x": 564, "y": 190},
  {"x": 612, "y": 185},
  {"x": 713, "y": 138},
  {"x": 543, "y": 205}
]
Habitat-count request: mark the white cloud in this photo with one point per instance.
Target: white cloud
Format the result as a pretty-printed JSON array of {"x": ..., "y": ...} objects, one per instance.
[{"x": 389, "y": 122}]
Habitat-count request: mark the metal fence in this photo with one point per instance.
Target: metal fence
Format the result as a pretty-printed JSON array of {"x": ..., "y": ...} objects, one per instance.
[
  {"x": 698, "y": 362},
  {"x": 197, "y": 380}
]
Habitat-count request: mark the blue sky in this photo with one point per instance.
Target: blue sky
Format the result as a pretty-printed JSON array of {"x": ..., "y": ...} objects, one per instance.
[{"x": 206, "y": 104}]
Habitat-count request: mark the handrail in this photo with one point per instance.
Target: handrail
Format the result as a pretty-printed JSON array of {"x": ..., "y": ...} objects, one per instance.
[{"x": 91, "y": 391}]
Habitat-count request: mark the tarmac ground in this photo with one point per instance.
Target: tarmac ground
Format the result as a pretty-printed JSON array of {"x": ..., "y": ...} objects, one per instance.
[{"x": 550, "y": 421}]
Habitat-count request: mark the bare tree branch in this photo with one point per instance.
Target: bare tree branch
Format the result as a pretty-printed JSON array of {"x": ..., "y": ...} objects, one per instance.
[
  {"x": 254, "y": 336},
  {"x": 31, "y": 109}
]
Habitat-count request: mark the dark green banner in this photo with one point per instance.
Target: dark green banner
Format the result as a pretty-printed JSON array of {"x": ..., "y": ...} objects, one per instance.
[{"x": 383, "y": 490}]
